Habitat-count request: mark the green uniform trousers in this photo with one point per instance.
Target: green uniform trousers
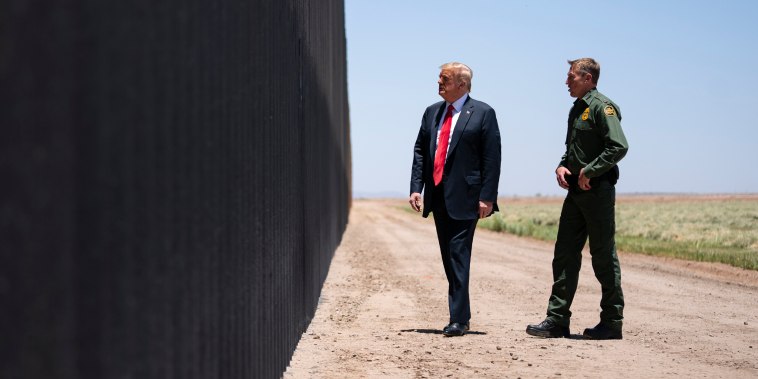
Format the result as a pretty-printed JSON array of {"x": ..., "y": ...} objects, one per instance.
[{"x": 587, "y": 213}]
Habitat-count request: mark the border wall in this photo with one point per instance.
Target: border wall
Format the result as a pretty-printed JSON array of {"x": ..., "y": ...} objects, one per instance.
[{"x": 174, "y": 180}]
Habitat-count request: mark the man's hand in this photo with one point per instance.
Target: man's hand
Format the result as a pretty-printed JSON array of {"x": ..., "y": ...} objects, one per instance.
[
  {"x": 415, "y": 201},
  {"x": 584, "y": 182},
  {"x": 485, "y": 208},
  {"x": 560, "y": 174}
]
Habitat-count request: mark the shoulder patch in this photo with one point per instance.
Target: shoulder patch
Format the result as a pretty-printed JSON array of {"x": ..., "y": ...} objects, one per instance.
[
  {"x": 610, "y": 111},
  {"x": 586, "y": 114}
]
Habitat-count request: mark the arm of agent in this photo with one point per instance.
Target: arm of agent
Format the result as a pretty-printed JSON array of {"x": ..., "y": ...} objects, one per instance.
[{"x": 615, "y": 148}]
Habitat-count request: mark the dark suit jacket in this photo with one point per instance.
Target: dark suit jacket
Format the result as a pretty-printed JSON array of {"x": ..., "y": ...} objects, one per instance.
[{"x": 472, "y": 170}]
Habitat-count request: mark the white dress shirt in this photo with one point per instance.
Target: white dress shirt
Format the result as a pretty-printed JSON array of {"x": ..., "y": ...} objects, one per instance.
[{"x": 457, "y": 105}]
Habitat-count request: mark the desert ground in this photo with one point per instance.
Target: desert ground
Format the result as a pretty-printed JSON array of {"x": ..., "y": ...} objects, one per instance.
[{"x": 384, "y": 303}]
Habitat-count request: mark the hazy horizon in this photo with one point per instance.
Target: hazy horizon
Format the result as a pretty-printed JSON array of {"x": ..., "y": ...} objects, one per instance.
[{"x": 404, "y": 197}]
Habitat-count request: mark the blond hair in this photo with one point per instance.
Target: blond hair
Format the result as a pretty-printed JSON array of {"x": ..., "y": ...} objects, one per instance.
[
  {"x": 463, "y": 73},
  {"x": 587, "y": 66}
]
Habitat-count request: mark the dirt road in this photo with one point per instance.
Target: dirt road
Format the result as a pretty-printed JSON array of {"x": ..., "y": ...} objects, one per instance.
[{"x": 384, "y": 303}]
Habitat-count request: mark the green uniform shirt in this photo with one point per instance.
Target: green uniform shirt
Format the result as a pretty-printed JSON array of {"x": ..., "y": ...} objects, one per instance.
[{"x": 594, "y": 141}]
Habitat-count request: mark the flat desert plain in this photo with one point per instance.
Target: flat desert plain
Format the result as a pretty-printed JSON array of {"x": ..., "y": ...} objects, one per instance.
[{"x": 384, "y": 303}]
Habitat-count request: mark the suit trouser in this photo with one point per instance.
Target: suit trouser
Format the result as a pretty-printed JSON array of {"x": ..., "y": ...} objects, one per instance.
[
  {"x": 455, "y": 238},
  {"x": 587, "y": 213}
]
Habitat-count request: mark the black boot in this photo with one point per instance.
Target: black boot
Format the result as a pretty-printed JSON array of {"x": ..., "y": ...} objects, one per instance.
[
  {"x": 602, "y": 332},
  {"x": 548, "y": 329}
]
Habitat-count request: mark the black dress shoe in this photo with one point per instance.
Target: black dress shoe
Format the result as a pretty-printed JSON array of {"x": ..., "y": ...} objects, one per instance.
[
  {"x": 548, "y": 329},
  {"x": 602, "y": 332},
  {"x": 465, "y": 326},
  {"x": 455, "y": 329}
]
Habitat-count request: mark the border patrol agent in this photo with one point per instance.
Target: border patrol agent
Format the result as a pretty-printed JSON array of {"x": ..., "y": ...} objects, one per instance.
[{"x": 595, "y": 143}]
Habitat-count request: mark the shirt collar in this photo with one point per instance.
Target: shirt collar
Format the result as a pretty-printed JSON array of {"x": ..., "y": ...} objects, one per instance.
[
  {"x": 458, "y": 104},
  {"x": 587, "y": 96}
]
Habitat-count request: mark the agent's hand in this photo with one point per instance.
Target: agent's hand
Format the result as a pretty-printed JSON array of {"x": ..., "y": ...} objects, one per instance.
[
  {"x": 485, "y": 208},
  {"x": 415, "y": 201},
  {"x": 560, "y": 174},
  {"x": 584, "y": 182}
]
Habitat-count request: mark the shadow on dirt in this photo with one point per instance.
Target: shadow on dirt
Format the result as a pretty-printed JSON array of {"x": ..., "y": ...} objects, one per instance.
[{"x": 439, "y": 331}]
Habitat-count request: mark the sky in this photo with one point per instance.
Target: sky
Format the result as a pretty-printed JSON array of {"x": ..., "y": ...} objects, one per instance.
[{"x": 683, "y": 73}]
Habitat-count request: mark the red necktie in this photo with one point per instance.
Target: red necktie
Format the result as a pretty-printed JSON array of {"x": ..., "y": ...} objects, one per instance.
[{"x": 441, "y": 155}]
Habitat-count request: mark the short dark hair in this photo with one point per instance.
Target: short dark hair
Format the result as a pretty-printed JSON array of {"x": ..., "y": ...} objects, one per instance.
[{"x": 588, "y": 66}]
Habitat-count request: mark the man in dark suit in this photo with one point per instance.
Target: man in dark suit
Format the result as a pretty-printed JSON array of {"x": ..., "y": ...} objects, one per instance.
[{"x": 456, "y": 161}]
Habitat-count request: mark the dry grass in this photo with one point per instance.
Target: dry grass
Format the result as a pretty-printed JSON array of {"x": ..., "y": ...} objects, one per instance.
[{"x": 702, "y": 228}]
